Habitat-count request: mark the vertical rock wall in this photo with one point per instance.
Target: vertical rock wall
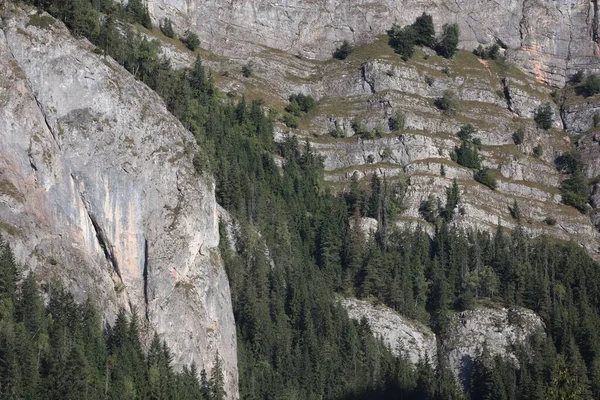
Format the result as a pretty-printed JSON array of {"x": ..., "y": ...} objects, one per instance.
[
  {"x": 549, "y": 39},
  {"x": 97, "y": 190}
]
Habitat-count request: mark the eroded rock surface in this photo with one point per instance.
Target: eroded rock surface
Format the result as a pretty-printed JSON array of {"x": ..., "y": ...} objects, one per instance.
[
  {"x": 499, "y": 329},
  {"x": 98, "y": 190},
  {"x": 415, "y": 340},
  {"x": 551, "y": 40}
]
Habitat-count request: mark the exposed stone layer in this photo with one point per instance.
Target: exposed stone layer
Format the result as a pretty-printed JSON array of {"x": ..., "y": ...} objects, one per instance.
[
  {"x": 98, "y": 190},
  {"x": 551, "y": 40},
  {"x": 499, "y": 329}
]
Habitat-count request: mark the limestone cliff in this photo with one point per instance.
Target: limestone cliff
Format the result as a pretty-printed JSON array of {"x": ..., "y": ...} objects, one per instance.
[
  {"x": 551, "y": 40},
  {"x": 98, "y": 190},
  {"x": 502, "y": 330}
]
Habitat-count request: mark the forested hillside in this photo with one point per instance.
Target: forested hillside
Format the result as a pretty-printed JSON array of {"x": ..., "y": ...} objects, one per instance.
[
  {"x": 53, "y": 348},
  {"x": 296, "y": 249}
]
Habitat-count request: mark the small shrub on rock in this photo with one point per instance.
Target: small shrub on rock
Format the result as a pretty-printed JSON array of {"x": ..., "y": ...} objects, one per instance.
[
  {"x": 518, "y": 136},
  {"x": 428, "y": 209},
  {"x": 592, "y": 85},
  {"x": 248, "y": 69},
  {"x": 342, "y": 52},
  {"x": 550, "y": 221},
  {"x": 396, "y": 122},
  {"x": 300, "y": 103},
  {"x": 575, "y": 191},
  {"x": 166, "y": 27},
  {"x": 569, "y": 162},
  {"x": 447, "y": 102},
  {"x": 489, "y": 53},
  {"x": 289, "y": 120},
  {"x": 467, "y": 155},
  {"x": 190, "y": 40},
  {"x": 544, "y": 116},
  {"x": 466, "y": 132},
  {"x": 424, "y": 30},
  {"x": 485, "y": 177},
  {"x": 448, "y": 44},
  {"x": 402, "y": 40}
]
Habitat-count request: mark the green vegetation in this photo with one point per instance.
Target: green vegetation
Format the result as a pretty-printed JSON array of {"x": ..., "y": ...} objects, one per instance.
[
  {"x": 61, "y": 351},
  {"x": 166, "y": 27},
  {"x": 420, "y": 33},
  {"x": 515, "y": 211},
  {"x": 297, "y": 246},
  {"x": 424, "y": 30},
  {"x": 342, "y": 52},
  {"x": 300, "y": 104},
  {"x": 447, "y": 46},
  {"x": 41, "y": 21},
  {"x": 550, "y": 221},
  {"x": 486, "y": 177},
  {"x": 397, "y": 121},
  {"x": 575, "y": 191},
  {"x": 402, "y": 40},
  {"x": 544, "y": 116},
  {"x": 576, "y": 78},
  {"x": 428, "y": 209},
  {"x": 137, "y": 10},
  {"x": 591, "y": 85},
  {"x": 290, "y": 121},
  {"x": 569, "y": 162},
  {"x": 467, "y": 153},
  {"x": 452, "y": 200},
  {"x": 447, "y": 103},
  {"x": 466, "y": 132},
  {"x": 538, "y": 150},
  {"x": 191, "y": 41},
  {"x": 518, "y": 136},
  {"x": 489, "y": 53},
  {"x": 248, "y": 69}
]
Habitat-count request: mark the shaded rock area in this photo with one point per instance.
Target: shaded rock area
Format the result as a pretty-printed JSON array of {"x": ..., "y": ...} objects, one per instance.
[
  {"x": 98, "y": 191},
  {"x": 499, "y": 329}
]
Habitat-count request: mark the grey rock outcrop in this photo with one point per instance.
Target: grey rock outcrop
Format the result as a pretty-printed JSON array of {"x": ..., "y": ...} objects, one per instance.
[
  {"x": 579, "y": 116},
  {"x": 497, "y": 329},
  {"x": 414, "y": 339},
  {"x": 98, "y": 190},
  {"x": 551, "y": 40}
]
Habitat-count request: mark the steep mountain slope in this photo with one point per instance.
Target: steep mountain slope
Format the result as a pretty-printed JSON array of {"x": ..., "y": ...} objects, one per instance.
[
  {"x": 495, "y": 97},
  {"x": 552, "y": 40},
  {"x": 98, "y": 191}
]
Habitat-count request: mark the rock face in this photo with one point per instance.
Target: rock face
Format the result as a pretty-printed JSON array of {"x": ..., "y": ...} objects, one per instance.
[
  {"x": 498, "y": 329},
  {"x": 551, "y": 40},
  {"x": 97, "y": 190},
  {"x": 468, "y": 332},
  {"x": 414, "y": 339}
]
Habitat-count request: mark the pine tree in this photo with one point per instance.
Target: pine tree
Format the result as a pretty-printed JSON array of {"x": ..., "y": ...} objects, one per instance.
[
  {"x": 452, "y": 199},
  {"x": 8, "y": 278},
  {"x": 448, "y": 44},
  {"x": 424, "y": 30},
  {"x": 217, "y": 380}
]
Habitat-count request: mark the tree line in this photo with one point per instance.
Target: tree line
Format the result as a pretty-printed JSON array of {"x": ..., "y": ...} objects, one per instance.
[{"x": 53, "y": 348}]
